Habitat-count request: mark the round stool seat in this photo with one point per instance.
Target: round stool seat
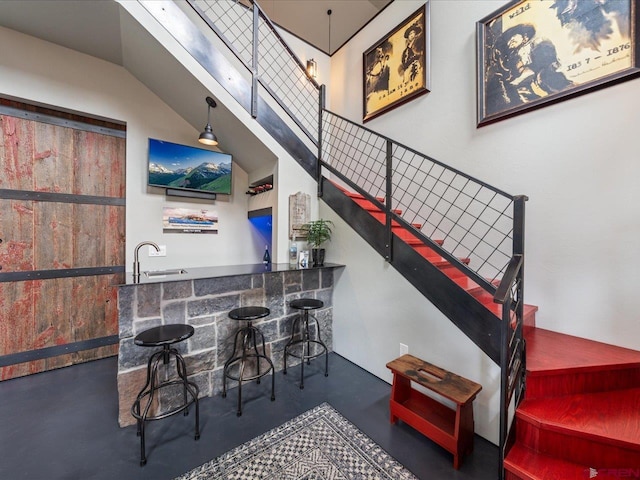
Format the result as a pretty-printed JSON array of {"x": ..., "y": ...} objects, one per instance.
[
  {"x": 249, "y": 313},
  {"x": 306, "y": 304},
  {"x": 163, "y": 335}
]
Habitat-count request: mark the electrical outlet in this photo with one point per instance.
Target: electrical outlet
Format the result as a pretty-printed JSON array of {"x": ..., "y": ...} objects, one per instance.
[
  {"x": 404, "y": 349},
  {"x": 161, "y": 253}
]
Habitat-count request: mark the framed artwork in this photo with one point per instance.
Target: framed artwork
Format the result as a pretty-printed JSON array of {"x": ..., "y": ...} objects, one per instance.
[
  {"x": 185, "y": 220},
  {"x": 532, "y": 53},
  {"x": 396, "y": 68}
]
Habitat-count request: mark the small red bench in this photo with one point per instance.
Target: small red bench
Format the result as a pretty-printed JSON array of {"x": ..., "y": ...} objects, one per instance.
[{"x": 451, "y": 429}]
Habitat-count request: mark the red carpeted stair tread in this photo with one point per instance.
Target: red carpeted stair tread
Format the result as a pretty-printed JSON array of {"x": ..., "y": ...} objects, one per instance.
[
  {"x": 612, "y": 416},
  {"x": 547, "y": 353},
  {"x": 530, "y": 465},
  {"x": 468, "y": 285}
]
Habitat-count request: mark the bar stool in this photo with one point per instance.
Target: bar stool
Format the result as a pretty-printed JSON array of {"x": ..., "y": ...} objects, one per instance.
[
  {"x": 305, "y": 340},
  {"x": 164, "y": 336},
  {"x": 250, "y": 336}
]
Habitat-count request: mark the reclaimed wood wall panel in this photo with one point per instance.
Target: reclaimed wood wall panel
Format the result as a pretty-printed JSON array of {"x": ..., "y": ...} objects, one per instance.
[
  {"x": 17, "y": 152},
  {"x": 114, "y": 219},
  {"x": 99, "y": 235},
  {"x": 53, "y": 162},
  {"x": 96, "y": 169},
  {"x": 17, "y": 234},
  {"x": 17, "y": 328},
  {"x": 53, "y": 230},
  {"x": 59, "y": 233},
  {"x": 46, "y": 313}
]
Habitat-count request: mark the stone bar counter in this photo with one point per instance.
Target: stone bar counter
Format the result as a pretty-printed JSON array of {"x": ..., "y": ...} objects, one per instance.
[{"x": 202, "y": 297}]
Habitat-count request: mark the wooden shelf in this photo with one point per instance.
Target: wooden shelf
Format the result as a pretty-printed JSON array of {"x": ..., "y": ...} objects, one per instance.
[{"x": 261, "y": 186}]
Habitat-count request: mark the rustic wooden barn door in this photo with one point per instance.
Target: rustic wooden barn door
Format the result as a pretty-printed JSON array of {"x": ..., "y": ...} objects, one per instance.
[{"x": 62, "y": 237}]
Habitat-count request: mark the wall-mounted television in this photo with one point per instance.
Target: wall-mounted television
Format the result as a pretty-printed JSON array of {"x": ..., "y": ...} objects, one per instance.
[{"x": 181, "y": 167}]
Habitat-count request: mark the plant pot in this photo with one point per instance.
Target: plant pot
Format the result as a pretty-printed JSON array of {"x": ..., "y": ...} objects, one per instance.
[{"x": 317, "y": 256}]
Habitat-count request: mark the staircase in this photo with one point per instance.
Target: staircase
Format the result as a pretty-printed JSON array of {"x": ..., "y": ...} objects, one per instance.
[{"x": 580, "y": 417}]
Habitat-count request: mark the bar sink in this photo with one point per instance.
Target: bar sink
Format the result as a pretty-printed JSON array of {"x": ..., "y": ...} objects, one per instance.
[{"x": 164, "y": 273}]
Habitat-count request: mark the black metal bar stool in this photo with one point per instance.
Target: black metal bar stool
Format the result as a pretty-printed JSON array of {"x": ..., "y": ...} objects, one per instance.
[
  {"x": 250, "y": 336},
  {"x": 305, "y": 340},
  {"x": 164, "y": 336}
]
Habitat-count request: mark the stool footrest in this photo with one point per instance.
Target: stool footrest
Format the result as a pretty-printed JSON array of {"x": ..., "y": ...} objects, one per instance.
[
  {"x": 173, "y": 411},
  {"x": 303, "y": 356}
]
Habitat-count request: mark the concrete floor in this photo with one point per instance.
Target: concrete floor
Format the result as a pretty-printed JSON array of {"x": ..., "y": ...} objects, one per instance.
[{"x": 63, "y": 425}]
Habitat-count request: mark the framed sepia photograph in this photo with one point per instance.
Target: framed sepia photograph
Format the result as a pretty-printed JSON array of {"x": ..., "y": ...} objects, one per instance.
[
  {"x": 532, "y": 53},
  {"x": 396, "y": 68}
]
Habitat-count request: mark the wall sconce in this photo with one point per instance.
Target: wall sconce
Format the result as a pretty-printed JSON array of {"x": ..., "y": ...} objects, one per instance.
[
  {"x": 207, "y": 136},
  {"x": 312, "y": 68}
]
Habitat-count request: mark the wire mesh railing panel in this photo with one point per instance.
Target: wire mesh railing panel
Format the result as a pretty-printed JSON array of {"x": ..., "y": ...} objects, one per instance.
[
  {"x": 275, "y": 66},
  {"x": 281, "y": 72},
  {"x": 234, "y": 21},
  {"x": 474, "y": 220},
  {"x": 356, "y": 153}
]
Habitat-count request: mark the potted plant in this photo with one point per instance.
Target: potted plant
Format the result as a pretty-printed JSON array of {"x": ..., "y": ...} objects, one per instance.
[{"x": 318, "y": 232}]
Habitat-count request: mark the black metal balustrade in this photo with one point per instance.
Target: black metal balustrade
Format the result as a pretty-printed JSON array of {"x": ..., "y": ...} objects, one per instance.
[
  {"x": 482, "y": 227},
  {"x": 254, "y": 40}
]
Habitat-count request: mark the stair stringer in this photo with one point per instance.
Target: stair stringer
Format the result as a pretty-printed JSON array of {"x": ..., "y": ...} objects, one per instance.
[{"x": 464, "y": 311}]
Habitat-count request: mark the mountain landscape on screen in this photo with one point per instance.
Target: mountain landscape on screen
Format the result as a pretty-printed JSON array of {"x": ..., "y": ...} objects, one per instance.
[
  {"x": 210, "y": 177},
  {"x": 183, "y": 167}
]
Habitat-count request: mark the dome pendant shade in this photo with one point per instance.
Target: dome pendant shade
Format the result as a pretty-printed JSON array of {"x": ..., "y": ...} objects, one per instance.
[{"x": 207, "y": 137}]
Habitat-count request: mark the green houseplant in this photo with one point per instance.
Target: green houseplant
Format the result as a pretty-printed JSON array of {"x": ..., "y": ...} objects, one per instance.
[{"x": 318, "y": 232}]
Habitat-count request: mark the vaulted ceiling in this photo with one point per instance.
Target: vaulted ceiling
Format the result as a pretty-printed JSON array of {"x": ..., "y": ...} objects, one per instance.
[{"x": 309, "y": 20}]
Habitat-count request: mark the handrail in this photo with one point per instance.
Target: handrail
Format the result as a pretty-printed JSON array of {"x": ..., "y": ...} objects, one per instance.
[{"x": 509, "y": 278}]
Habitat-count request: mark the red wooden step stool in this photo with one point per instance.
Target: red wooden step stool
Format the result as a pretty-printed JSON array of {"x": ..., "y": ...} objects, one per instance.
[{"x": 451, "y": 429}]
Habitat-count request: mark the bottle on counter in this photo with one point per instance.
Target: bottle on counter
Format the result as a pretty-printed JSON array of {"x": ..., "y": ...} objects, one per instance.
[
  {"x": 266, "y": 258},
  {"x": 293, "y": 252}
]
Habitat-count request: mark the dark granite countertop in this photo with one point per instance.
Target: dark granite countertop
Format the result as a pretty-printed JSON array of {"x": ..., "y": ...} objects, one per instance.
[{"x": 196, "y": 273}]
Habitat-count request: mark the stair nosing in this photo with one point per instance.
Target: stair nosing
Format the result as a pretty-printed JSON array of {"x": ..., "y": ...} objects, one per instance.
[{"x": 553, "y": 425}]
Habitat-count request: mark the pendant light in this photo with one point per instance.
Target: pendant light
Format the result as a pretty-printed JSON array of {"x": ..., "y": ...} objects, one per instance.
[{"x": 207, "y": 136}]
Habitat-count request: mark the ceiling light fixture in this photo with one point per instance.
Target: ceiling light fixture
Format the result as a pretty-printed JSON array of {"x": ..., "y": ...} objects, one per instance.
[
  {"x": 329, "y": 12},
  {"x": 312, "y": 68},
  {"x": 207, "y": 136}
]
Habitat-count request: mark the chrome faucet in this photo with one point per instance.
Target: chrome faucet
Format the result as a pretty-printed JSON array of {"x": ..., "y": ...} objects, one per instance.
[{"x": 136, "y": 262}]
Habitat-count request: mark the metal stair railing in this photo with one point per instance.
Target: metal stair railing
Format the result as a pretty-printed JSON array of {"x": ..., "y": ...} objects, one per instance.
[
  {"x": 474, "y": 220},
  {"x": 512, "y": 351},
  {"x": 477, "y": 222},
  {"x": 255, "y": 41}
]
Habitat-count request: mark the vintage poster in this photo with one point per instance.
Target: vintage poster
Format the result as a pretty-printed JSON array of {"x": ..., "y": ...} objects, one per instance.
[
  {"x": 536, "y": 51},
  {"x": 396, "y": 67},
  {"x": 186, "y": 220}
]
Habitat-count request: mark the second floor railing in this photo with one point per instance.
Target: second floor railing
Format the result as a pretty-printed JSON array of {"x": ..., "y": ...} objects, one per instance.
[{"x": 255, "y": 41}]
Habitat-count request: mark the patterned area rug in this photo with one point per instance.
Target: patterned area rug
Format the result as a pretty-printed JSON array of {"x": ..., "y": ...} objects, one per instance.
[{"x": 318, "y": 445}]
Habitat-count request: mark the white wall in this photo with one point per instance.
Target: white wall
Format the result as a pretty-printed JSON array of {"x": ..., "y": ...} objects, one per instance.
[
  {"x": 576, "y": 160},
  {"x": 42, "y": 72}
]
